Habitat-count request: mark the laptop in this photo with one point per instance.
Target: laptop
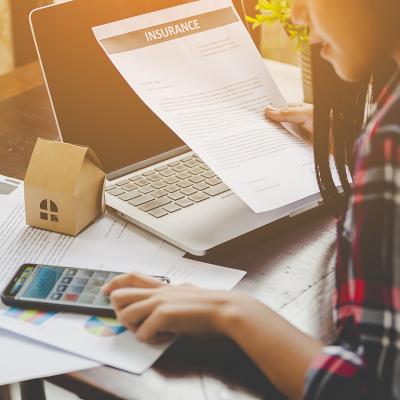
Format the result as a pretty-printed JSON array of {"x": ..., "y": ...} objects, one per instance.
[{"x": 153, "y": 179}]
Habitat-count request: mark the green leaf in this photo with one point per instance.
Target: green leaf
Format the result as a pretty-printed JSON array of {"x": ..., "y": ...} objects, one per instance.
[{"x": 279, "y": 11}]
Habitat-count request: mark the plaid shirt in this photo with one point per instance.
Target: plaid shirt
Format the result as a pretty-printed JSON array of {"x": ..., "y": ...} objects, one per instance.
[{"x": 364, "y": 362}]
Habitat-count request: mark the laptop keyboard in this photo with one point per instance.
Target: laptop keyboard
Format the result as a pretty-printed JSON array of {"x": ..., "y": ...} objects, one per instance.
[{"x": 169, "y": 187}]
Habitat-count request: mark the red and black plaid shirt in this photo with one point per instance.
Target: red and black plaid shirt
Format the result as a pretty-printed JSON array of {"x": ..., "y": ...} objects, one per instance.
[{"x": 364, "y": 362}]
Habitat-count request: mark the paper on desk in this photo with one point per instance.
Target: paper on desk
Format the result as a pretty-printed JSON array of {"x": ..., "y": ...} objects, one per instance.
[
  {"x": 197, "y": 68},
  {"x": 23, "y": 359},
  {"x": 87, "y": 336},
  {"x": 109, "y": 243}
]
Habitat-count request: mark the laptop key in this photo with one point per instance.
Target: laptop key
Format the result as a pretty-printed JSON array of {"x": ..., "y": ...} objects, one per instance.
[
  {"x": 148, "y": 173},
  {"x": 111, "y": 187},
  {"x": 146, "y": 189},
  {"x": 176, "y": 196},
  {"x": 180, "y": 168},
  {"x": 116, "y": 192},
  {"x": 135, "y": 178},
  {"x": 171, "y": 208},
  {"x": 198, "y": 197},
  {"x": 122, "y": 183},
  {"x": 208, "y": 174},
  {"x": 173, "y": 163},
  {"x": 184, "y": 184},
  {"x": 196, "y": 170},
  {"x": 159, "y": 193},
  {"x": 161, "y": 168},
  {"x": 167, "y": 172},
  {"x": 216, "y": 190},
  {"x": 130, "y": 186},
  {"x": 204, "y": 166},
  {"x": 142, "y": 182},
  {"x": 172, "y": 188},
  {"x": 192, "y": 163},
  {"x": 184, "y": 203},
  {"x": 197, "y": 179},
  {"x": 158, "y": 213},
  {"x": 188, "y": 191},
  {"x": 213, "y": 181},
  {"x": 186, "y": 159},
  {"x": 171, "y": 180},
  {"x": 183, "y": 175},
  {"x": 155, "y": 177},
  {"x": 141, "y": 200},
  {"x": 155, "y": 204},
  {"x": 159, "y": 185},
  {"x": 201, "y": 186},
  {"x": 130, "y": 195}
]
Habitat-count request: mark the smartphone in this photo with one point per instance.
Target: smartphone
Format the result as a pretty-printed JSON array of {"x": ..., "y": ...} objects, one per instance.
[{"x": 55, "y": 288}]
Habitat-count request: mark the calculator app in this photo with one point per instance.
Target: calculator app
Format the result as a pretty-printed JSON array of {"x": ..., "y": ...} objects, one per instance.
[{"x": 64, "y": 285}]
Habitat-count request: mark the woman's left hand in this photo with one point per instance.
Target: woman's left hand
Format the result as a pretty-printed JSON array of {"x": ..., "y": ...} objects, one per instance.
[
  {"x": 301, "y": 114},
  {"x": 152, "y": 309}
]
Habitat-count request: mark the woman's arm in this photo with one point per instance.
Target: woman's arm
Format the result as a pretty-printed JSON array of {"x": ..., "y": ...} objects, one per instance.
[{"x": 281, "y": 351}]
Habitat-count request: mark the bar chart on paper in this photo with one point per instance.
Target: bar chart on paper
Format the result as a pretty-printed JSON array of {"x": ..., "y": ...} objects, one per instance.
[
  {"x": 103, "y": 327},
  {"x": 34, "y": 317}
]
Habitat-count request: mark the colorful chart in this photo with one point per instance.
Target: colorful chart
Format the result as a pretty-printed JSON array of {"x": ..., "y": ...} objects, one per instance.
[
  {"x": 104, "y": 327},
  {"x": 31, "y": 316}
]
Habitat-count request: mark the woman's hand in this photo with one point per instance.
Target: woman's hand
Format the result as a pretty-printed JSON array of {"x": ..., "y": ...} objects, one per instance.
[
  {"x": 301, "y": 114},
  {"x": 152, "y": 309}
]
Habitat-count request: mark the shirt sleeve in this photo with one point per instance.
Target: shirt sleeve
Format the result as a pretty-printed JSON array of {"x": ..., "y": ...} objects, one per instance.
[
  {"x": 369, "y": 299},
  {"x": 337, "y": 373}
]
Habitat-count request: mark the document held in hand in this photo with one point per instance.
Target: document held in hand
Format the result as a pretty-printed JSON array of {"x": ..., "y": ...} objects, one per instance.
[{"x": 196, "y": 67}]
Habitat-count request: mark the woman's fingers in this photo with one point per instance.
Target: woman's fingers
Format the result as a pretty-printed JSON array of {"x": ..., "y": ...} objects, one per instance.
[
  {"x": 131, "y": 280},
  {"x": 121, "y": 298},
  {"x": 135, "y": 313},
  {"x": 155, "y": 324},
  {"x": 295, "y": 113}
]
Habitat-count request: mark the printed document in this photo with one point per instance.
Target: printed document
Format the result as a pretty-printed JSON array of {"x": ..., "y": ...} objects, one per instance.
[
  {"x": 108, "y": 245},
  {"x": 197, "y": 68},
  {"x": 30, "y": 359},
  {"x": 23, "y": 359}
]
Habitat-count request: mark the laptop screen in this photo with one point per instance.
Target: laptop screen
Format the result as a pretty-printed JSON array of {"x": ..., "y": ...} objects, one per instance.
[{"x": 93, "y": 104}]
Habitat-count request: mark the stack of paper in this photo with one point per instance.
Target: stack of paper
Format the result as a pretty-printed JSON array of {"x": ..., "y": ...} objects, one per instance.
[{"x": 110, "y": 244}]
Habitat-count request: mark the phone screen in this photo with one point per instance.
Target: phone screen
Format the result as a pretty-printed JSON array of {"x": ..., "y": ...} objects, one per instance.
[{"x": 62, "y": 285}]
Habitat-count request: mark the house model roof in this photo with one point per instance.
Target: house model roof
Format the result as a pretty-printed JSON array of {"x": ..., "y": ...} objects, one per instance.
[{"x": 57, "y": 166}]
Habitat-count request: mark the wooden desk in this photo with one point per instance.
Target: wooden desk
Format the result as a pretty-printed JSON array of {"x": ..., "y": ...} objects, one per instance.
[{"x": 289, "y": 267}]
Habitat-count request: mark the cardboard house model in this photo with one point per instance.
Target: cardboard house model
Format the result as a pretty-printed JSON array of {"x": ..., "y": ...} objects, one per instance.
[{"x": 64, "y": 187}]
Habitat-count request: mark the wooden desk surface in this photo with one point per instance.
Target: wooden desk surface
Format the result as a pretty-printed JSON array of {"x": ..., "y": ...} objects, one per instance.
[{"x": 289, "y": 267}]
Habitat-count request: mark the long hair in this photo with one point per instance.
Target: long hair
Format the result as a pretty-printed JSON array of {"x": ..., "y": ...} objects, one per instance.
[{"x": 339, "y": 114}]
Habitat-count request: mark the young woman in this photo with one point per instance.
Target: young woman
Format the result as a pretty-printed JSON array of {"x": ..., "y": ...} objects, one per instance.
[{"x": 364, "y": 362}]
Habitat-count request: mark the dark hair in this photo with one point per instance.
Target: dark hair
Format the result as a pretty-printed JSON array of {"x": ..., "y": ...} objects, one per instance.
[{"x": 339, "y": 115}]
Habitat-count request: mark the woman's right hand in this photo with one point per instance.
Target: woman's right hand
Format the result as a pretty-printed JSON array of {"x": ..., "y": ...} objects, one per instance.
[{"x": 301, "y": 114}]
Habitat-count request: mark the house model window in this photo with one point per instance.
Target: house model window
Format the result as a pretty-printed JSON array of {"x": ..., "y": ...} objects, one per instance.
[{"x": 48, "y": 211}]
